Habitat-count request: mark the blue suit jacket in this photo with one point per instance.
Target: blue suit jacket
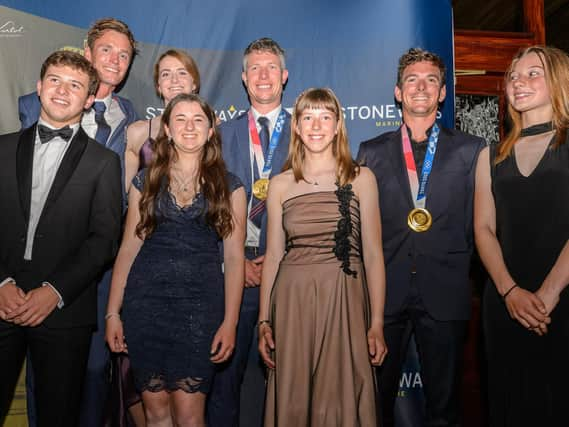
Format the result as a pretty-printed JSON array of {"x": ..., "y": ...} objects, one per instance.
[
  {"x": 441, "y": 255},
  {"x": 29, "y": 112},
  {"x": 235, "y": 145}
]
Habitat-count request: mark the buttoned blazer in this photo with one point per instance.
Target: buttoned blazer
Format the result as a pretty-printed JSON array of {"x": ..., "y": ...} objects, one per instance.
[
  {"x": 440, "y": 256},
  {"x": 236, "y": 154},
  {"x": 78, "y": 230}
]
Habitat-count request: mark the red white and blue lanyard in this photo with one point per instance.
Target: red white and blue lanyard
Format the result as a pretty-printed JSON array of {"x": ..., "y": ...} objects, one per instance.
[
  {"x": 418, "y": 189},
  {"x": 265, "y": 167}
]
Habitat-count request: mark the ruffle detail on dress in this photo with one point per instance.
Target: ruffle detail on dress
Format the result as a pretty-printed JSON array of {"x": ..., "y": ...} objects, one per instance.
[
  {"x": 344, "y": 229},
  {"x": 154, "y": 383}
]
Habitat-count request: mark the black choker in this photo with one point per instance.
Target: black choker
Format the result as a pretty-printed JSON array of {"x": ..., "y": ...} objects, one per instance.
[{"x": 537, "y": 129}]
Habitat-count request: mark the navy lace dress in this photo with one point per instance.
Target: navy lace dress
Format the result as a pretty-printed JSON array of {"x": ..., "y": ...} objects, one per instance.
[{"x": 173, "y": 302}]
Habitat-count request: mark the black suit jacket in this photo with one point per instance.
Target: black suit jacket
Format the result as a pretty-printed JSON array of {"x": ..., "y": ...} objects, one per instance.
[
  {"x": 441, "y": 255},
  {"x": 78, "y": 230}
]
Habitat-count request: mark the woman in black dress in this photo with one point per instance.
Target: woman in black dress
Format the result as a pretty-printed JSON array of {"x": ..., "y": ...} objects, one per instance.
[
  {"x": 180, "y": 311},
  {"x": 522, "y": 231}
]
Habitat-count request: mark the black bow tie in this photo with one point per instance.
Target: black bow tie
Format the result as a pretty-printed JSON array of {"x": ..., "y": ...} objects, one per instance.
[{"x": 47, "y": 134}]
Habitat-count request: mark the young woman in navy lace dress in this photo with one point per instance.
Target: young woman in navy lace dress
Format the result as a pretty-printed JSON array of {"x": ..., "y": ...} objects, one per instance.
[{"x": 179, "y": 310}]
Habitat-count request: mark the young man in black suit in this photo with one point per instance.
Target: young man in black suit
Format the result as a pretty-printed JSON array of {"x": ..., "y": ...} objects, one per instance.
[
  {"x": 425, "y": 176},
  {"x": 60, "y": 193}
]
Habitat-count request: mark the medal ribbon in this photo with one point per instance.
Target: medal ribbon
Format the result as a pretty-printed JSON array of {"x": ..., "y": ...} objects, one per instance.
[
  {"x": 418, "y": 189},
  {"x": 265, "y": 167}
]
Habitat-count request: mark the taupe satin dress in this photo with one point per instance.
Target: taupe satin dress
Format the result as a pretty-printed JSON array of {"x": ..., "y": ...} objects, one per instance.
[{"x": 320, "y": 316}]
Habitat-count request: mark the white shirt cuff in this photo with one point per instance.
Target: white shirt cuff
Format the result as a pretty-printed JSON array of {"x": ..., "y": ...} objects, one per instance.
[
  {"x": 60, "y": 304},
  {"x": 6, "y": 281}
]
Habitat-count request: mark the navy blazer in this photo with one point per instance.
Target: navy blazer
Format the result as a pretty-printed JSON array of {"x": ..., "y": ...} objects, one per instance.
[
  {"x": 440, "y": 256},
  {"x": 29, "y": 113},
  {"x": 236, "y": 153}
]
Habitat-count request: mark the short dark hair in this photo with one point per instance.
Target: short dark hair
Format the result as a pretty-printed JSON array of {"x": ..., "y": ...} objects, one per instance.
[
  {"x": 106, "y": 24},
  {"x": 73, "y": 60},
  {"x": 264, "y": 44},
  {"x": 416, "y": 54}
]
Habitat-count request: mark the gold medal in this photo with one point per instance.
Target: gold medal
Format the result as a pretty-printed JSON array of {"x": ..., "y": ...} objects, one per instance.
[
  {"x": 419, "y": 220},
  {"x": 261, "y": 188}
]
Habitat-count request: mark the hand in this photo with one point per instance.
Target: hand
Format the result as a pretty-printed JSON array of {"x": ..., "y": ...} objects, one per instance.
[
  {"x": 376, "y": 345},
  {"x": 223, "y": 343},
  {"x": 528, "y": 309},
  {"x": 114, "y": 335},
  {"x": 549, "y": 299},
  {"x": 11, "y": 297},
  {"x": 40, "y": 302},
  {"x": 266, "y": 344},
  {"x": 253, "y": 269}
]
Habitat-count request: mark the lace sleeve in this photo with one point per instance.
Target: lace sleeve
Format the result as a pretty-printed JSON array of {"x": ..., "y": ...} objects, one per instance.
[{"x": 138, "y": 180}]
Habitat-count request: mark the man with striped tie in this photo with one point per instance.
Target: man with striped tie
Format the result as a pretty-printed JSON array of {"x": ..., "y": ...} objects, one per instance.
[{"x": 255, "y": 146}]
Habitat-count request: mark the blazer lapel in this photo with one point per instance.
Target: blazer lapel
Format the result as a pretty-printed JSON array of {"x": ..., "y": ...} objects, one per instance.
[
  {"x": 400, "y": 168},
  {"x": 242, "y": 134},
  {"x": 66, "y": 168},
  {"x": 24, "y": 163}
]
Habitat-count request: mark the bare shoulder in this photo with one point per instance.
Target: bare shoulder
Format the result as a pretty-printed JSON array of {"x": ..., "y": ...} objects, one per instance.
[
  {"x": 282, "y": 180},
  {"x": 484, "y": 157},
  {"x": 365, "y": 181},
  {"x": 280, "y": 184},
  {"x": 136, "y": 134}
]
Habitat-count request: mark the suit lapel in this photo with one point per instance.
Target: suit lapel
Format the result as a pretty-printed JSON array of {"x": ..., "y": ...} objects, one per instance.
[
  {"x": 400, "y": 168},
  {"x": 242, "y": 134},
  {"x": 66, "y": 168},
  {"x": 24, "y": 163}
]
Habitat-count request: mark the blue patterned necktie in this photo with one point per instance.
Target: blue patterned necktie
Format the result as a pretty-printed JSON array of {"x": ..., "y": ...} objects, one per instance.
[
  {"x": 258, "y": 206},
  {"x": 103, "y": 128},
  {"x": 264, "y": 135}
]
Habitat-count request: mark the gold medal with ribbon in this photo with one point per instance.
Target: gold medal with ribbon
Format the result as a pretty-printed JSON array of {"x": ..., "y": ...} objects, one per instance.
[
  {"x": 419, "y": 220},
  {"x": 261, "y": 188}
]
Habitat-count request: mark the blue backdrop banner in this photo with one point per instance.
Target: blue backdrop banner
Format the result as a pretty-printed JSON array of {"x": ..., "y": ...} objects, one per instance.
[{"x": 351, "y": 47}]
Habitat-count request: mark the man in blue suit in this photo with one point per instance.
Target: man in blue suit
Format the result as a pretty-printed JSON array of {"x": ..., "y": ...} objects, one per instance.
[
  {"x": 110, "y": 49},
  {"x": 255, "y": 146},
  {"x": 425, "y": 176}
]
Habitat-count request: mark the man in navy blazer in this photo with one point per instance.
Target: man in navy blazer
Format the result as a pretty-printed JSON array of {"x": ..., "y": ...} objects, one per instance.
[
  {"x": 110, "y": 48},
  {"x": 60, "y": 232},
  {"x": 427, "y": 252},
  {"x": 264, "y": 75}
]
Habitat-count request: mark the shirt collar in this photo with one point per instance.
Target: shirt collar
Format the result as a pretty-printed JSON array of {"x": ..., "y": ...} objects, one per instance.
[
  {"x": 106, "y": 100},
  {"x": 427, "y": 132},
  {"x": 271, "y": 115}
]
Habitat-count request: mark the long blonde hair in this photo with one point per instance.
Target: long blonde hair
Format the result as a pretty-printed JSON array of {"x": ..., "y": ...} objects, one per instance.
[
  {"x": 556, "y": 66},
  {"x": 324, "y": 98}
]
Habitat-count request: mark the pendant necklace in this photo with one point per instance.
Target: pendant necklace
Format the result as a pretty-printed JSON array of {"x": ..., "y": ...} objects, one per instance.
[{"x": 314, "y": 182}]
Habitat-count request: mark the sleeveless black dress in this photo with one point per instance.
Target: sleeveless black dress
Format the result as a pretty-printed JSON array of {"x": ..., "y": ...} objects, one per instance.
[{"x": 528, "y": 375}]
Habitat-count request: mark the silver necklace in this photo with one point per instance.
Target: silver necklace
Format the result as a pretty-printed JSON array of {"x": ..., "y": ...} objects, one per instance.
[
  {"x": 183, "y": 183},
  {"x": 314, "y": 182}
]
